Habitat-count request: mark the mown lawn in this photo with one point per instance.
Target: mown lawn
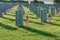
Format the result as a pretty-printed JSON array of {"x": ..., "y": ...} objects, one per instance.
[{"x": 35, "y": 30}]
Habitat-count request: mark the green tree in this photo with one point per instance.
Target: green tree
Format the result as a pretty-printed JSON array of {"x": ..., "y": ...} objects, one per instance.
[
  {"x": 38, "y": 1},
  {"x": 56, "y": 1}
]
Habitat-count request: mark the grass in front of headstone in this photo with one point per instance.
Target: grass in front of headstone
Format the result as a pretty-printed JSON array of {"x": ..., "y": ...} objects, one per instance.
[
  {"x": 52, "y": 27},
  {"x": 35, "y": 30}
]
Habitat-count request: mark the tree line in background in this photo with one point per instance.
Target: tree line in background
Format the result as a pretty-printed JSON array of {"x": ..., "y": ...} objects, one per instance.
[{"x": 55, "y": 1}]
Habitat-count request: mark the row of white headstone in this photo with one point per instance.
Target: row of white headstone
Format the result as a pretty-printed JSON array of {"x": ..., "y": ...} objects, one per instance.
[
  {"x": 4, "y": 7},
  {"x": 40, "y": 11}
]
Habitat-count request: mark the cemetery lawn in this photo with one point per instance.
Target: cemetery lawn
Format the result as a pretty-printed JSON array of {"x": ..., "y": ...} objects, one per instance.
[{"x": 35, "y": 30}]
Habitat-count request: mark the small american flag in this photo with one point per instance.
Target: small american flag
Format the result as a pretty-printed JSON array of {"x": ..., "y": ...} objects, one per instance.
[
  {"x": 27, "y": 21},
  {"x": 49, "y": 18}
]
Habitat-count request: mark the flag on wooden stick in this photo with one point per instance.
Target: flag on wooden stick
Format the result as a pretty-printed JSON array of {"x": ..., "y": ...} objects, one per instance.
[
  {"x": 57, "y": 13},
  {"x": 24, "y": 14}
]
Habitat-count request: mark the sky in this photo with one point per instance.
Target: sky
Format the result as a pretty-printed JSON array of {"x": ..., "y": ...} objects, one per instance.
[{"x": 46, "y": 1}]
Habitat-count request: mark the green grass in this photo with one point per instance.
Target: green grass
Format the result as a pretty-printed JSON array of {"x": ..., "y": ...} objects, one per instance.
[{"x": 35, "y": 30}]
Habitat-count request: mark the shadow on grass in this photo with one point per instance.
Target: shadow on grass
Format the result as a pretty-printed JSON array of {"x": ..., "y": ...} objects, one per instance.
[
  {"x": 56, "y": 16},
  {"x": 9, "y": 11},
  {"x": 31, "y": 14},
  {"x": 10, "y": 15},
  {"x": 39, "y": 32},
  {"x": 33, "y": 17},
  {"x": 57, "y": 20},
  {"x": 35, "y": 22},
  {"x": 53, "y": 23},
  {"x": 7, "y": 27},
  {"x": 9, "y": 19}
]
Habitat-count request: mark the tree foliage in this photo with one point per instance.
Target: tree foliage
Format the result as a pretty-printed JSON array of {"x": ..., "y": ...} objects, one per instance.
[{"x": 56, "y": 1}]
